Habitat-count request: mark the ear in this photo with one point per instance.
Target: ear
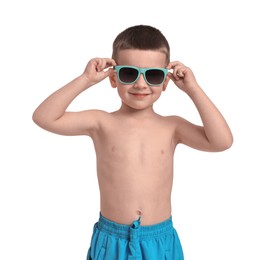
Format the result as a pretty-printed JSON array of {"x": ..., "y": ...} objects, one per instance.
[
  {"x": 166, "y": 82},
  {"x": 113, "y": 79}
]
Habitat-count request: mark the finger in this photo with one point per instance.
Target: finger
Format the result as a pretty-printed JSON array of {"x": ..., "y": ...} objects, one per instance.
[
  {"x": 178, "y": 69},
  {"x": 171, "y": 76},
  {"x": 107, "y": 72},
  {"x": 177, "y": 72},
  {"x": 96, "y": 64},
  {"x": 106, "y": 63},
  {"x": 173, "y": 64},
  {"x": 110, "y": 62},
  {"x": 180, "y": 73}
]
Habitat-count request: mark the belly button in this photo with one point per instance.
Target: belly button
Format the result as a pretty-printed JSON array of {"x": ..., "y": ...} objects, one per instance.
[{"x": 139, "y": 212}]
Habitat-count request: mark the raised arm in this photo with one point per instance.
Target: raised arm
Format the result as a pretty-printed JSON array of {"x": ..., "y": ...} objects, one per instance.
[
  {"x": 215, "y": 134},
  {"x": 51, "y": 114}
]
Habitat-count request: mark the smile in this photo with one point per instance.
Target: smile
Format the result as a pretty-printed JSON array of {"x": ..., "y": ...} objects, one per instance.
[{"x": 139, "y": 95}]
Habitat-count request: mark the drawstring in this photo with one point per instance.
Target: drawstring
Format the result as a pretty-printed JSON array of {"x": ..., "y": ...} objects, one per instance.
[
  {"x": 134, "y": 248},
  {"x": 136, "y": 223}
]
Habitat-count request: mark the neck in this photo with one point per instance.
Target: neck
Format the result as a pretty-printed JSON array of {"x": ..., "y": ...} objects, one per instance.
[{"x": 136, "y": 113}]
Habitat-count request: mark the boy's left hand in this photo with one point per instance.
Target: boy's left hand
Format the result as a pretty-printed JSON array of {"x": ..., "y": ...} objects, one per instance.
[{"x": 182, "y": 76}]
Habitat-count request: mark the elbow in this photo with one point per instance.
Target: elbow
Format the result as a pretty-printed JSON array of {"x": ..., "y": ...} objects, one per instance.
[
  {"x": 224, "y": 145},
  {"x": 36, "y": 118},
  {"x": 44, "y": 121},
  {"x": 229, "y": 141},
  {"x": 39, "y": 119}
]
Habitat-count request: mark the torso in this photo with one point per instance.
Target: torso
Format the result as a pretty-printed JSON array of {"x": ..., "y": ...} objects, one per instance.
[{"x": 135, "y": 168}]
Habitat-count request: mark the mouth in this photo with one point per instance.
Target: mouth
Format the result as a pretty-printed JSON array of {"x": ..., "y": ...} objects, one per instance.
[{"x": 140, "y": 95}]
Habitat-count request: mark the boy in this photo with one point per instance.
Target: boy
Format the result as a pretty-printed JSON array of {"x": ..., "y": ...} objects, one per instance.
[{"x": 134, "y": 145}]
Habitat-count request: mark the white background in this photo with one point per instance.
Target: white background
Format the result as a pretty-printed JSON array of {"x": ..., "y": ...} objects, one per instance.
[{"x": 49, "y": 199}]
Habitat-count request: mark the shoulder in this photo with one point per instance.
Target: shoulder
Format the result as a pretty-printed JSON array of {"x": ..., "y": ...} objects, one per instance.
[
  {"x": 182, "y": 128},
  {"x": 103, "y": 118},
  {"x": 95, "y": 113},
  {"x": 174, "y": 120},
  {"x": 91, "y": 119},
  {"x": 88, "y": 116}
]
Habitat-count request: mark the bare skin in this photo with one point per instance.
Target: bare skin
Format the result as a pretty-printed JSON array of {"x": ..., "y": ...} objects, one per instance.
[{"x": 134, "y": 145}]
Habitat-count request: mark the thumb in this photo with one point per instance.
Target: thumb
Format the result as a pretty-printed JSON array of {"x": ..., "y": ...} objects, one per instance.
[
  {"x": 171, "y": 76},
  {"x": 106, "y": 73}
]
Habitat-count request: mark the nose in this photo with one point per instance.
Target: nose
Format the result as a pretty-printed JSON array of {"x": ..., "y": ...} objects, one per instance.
[{"x": 141, "y": 83}]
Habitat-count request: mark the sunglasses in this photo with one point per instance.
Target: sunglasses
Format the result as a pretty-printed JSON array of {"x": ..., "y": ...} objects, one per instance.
[{"x": 130, "y": 74}]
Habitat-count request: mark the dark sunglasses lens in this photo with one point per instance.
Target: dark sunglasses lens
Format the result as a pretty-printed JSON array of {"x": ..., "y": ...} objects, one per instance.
[
  {"x": 128, "y": 75},
  {"x": 155, "y": 77}
]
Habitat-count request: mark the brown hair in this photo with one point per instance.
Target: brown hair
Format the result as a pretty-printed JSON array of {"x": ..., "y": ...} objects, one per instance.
[{"x": 141, "y": 37}]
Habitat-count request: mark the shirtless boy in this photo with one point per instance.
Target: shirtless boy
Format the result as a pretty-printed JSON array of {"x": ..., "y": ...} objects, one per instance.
[{"x": 134, "y": 145}]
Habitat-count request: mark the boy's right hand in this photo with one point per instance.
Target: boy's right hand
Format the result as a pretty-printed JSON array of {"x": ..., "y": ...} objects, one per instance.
[{"x": 95, "y": 70}]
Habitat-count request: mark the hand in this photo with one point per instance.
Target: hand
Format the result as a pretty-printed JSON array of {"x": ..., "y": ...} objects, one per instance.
[
  {"x": 95, "y": 69},
  {"x": 182, "y": 76}
]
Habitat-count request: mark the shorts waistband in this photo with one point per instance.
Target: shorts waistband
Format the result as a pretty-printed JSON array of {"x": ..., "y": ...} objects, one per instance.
[{"x": 135, "y": 231}]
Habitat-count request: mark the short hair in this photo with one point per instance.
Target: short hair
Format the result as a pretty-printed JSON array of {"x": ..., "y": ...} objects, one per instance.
[{"x": 141, "y": 37}]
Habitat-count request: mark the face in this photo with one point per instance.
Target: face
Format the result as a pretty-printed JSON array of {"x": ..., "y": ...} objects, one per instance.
[{"x": 139, "y": 95}]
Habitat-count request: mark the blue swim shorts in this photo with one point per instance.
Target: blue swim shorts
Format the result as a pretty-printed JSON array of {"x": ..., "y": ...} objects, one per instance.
[{"x": 113, "y": 241}]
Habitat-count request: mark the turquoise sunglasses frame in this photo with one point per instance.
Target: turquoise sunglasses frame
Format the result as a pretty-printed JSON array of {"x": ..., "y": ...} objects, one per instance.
[{"x": 140, "y": 71}]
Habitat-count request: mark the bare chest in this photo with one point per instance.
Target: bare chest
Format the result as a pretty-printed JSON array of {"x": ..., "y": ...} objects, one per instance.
[{"x": 146, "y": 143}]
